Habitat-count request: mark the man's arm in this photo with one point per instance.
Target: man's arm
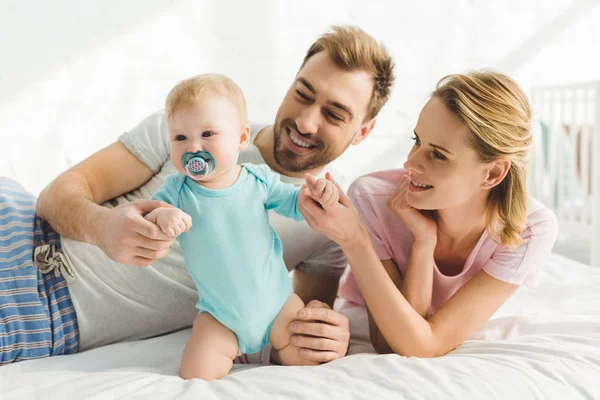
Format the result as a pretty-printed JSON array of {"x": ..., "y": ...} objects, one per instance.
[{"x": 70, "y": 204}]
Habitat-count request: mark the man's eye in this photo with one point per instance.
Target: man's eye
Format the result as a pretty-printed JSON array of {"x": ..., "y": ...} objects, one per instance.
[
  {"x": 180, "y": 138},
  {"x": 333, "y": 116},
  {"x": 207, "y": 134},
  {"x": 302, "y": 95}
]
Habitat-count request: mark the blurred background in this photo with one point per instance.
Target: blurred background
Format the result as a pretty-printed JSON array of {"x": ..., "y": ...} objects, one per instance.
[{"x": 76, "y": 74}]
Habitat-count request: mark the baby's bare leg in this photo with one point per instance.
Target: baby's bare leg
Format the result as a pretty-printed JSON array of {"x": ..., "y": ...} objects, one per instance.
[
  {"x": 210, "y": 351},
  {"x": 280, "y": 334}
]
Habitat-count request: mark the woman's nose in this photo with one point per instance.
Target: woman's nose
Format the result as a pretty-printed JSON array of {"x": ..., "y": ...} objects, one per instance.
[{"x": 413, "y": 162}]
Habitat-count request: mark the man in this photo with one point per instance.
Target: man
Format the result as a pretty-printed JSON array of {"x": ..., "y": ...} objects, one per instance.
[{"x": 127, "y": 280}]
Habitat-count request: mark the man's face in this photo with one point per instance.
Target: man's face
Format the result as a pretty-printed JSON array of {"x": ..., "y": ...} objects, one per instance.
[{"x": 322, "y": 113}]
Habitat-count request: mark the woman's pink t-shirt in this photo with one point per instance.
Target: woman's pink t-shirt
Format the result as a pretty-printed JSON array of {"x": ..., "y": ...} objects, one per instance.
[{"x": 392, "y": 240}]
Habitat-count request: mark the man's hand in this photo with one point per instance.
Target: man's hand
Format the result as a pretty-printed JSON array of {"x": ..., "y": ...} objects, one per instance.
[
  {"x": 126, "y": 237},
  {"x": 322, "y": 333}
]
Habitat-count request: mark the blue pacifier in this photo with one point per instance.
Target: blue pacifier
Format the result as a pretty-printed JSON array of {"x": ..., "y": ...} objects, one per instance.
[{"x": 200, "y": 163}]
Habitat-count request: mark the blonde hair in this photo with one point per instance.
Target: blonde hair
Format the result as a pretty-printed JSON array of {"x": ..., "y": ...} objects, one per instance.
[
  {"x": 351, "y": 49},
  {"x": 189, "y": 93},
  {"x": 498, "y": 115}
]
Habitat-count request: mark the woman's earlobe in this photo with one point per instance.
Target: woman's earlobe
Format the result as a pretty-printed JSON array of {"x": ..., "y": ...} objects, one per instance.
[{"x": 497, "y": 173}]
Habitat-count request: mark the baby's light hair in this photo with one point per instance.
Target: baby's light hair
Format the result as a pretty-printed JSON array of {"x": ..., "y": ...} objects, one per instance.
[{"x": 190, "y": 92}]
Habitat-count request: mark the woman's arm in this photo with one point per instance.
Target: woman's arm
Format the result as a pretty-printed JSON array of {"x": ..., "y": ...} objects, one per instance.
[
  {"x": 377, "y": 339},
  {"x": 405, "y": 330},
  {"x": 409, "y": 334},
  {"x": 416, "y": 287},
  {"x": 418, "y": 281}
]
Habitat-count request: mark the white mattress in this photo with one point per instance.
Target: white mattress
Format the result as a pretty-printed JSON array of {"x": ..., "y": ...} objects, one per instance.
[{"x": 544, "y": 343}]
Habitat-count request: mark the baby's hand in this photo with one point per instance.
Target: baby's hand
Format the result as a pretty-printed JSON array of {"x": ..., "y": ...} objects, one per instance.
[
  {"x": 322, "y": 190},
  {"x": 172, "y": 221}
]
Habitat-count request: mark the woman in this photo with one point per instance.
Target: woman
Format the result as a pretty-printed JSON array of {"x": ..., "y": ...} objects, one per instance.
[{"x": 453, "y": 234}]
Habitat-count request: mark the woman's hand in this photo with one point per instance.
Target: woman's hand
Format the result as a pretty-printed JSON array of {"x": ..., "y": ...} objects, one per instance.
[
  {"x": 423, "y": 229},
  {"x": 323, "y": 191},
  {"x": 339, "y": 222}
]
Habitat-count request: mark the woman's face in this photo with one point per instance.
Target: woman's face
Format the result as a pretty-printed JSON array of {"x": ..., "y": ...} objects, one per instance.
[{"x": 445, "y": 172}]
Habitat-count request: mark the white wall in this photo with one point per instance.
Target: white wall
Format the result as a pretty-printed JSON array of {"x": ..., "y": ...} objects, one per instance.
[{"x": 76, "y": 74}]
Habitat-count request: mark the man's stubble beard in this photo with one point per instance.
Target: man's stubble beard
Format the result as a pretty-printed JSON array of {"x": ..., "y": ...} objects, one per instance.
[{"x": 292, "y": 162}]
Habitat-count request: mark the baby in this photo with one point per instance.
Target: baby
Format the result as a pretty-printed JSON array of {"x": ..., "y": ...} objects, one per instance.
[{"x": 220, "y": 216}]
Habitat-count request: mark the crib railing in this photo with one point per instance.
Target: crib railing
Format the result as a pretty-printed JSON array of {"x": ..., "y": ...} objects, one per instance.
[{"x": 565, "y": 166}]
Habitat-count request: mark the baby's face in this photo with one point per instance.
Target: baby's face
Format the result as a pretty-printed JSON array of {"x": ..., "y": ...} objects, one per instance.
[{"x": 214, "y": 125}]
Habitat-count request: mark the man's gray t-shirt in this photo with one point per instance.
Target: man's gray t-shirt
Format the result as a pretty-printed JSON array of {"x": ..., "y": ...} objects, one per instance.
[{"x": 115, "y": 302}]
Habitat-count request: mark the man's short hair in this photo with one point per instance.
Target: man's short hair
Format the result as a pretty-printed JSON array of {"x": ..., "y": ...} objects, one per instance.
[{"x": 352, "y": 49}]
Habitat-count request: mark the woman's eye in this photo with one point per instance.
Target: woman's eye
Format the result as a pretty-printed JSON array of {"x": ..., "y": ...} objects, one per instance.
[
  {"x": 207, "y": 134},
  {"x": 180, "y": 138},
  {"x": 439, "y": 155},
  {"x": 417, "y": 141}
]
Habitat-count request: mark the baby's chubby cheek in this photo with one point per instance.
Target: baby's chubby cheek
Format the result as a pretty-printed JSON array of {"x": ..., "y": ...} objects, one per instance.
[{"x": 176, "y": 160}]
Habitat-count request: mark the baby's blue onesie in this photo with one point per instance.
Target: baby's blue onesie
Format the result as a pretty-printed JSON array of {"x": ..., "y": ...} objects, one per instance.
[{"x": 232, "y": 252}]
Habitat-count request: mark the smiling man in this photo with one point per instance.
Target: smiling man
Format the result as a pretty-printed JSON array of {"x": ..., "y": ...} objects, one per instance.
[
  {"x": 332, "y": 104},
  {"x": 126, "y": 280}
]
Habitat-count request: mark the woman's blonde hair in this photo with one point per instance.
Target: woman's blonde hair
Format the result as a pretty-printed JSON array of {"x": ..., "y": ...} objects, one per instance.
[{"x": 498, "y": 115}]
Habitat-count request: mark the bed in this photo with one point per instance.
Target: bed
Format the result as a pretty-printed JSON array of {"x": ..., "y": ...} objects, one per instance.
[{"x": 543, "y": 343}]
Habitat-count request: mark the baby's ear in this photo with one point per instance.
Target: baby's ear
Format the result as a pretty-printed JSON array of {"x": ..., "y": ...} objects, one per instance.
[{"x": 244, "y": 138}]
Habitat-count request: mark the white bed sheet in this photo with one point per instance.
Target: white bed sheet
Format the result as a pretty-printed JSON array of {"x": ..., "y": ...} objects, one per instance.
[{"x": 543, "y": 343}]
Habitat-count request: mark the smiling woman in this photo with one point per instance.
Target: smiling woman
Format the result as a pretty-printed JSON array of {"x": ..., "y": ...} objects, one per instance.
[{"x": 436, "y": 248}]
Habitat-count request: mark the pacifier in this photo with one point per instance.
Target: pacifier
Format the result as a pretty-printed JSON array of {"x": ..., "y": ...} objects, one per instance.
[{"x": 200, "y": 163}]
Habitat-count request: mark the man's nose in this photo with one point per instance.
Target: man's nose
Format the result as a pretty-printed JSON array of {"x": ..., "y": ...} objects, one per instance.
[{"x": 308, "y": 120}]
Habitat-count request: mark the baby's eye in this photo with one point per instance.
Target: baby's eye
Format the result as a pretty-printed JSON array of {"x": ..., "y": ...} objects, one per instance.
[
  {"x": 207, "y": 134},
  {"x": 180, "y": 138}
]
